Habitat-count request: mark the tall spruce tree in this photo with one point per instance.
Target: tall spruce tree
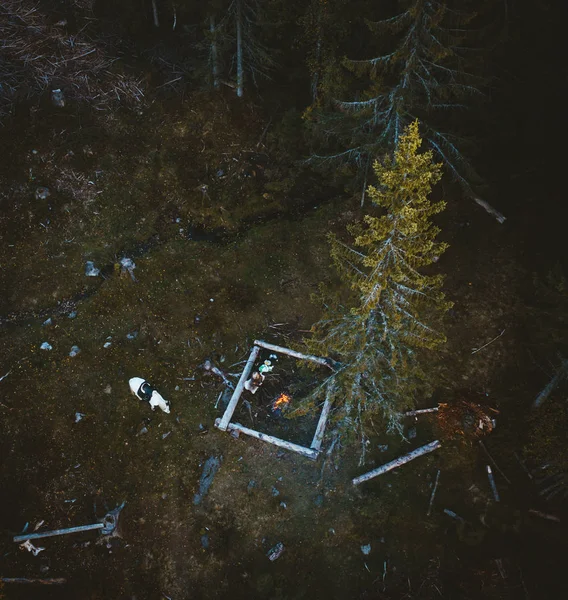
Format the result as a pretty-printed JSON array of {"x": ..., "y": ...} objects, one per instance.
[
  {"x": 395, "y": 307},
  {"x": 421, "y": 75}
]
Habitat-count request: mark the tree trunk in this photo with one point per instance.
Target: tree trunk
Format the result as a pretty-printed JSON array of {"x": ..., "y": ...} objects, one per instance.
[
  {"x": 316, "y": 73},
  {"x": 240, "y": 71},
  {"x": 155, "y": 13},
  {"x": 214, "y": 58}
]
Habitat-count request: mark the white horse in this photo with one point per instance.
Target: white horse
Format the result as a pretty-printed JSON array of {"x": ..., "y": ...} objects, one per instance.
[{"x": 144, "y": 391}]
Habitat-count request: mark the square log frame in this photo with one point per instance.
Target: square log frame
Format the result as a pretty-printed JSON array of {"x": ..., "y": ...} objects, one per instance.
[{"x": 225, "y": 424}]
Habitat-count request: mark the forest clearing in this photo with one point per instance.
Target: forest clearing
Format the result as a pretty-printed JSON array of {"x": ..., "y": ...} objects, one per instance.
[{"x": 177, "y": 217}]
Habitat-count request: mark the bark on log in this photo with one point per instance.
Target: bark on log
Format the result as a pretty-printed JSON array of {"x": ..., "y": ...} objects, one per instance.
[
  {"x": 326, "y": 362},
  {"x": 394, "y": 464},
  {"x": 307, "y": 452},
  {"x": 224, "y": 422}
]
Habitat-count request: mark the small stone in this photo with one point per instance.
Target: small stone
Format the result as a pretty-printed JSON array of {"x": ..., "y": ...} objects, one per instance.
[
  {"x": 91, "y": 270},
  {"x": 42, "y": 193},
  {"x": 57, "y": 98},
  {"x": 72, "y": 315},
  {"x": 74, "y": 351},
  {"x": 47, "y": 322},
  {"x": 142, "y": 431},
  {"x": 46, "y": 346},
  {"x": 366, "y": 549},
  {"x": 383, "y": 447},
  {"x": 275, "y": 552},
  {"x": 283, "y": 505},
  {"x": 108, "y": 389},
  {"x": 78, "y": 417},
  {"x": 132, "y": 335},
  {"x": 275, "y": 492},
  {"x": 107, "y": 344},
  {"x": 205, "y": 541},
  {"x": 177, "y": 388}
]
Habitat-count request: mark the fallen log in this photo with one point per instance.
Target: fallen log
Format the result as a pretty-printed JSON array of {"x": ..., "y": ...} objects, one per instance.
[
  {"x": 433, "y": 493},
  {"x": 320, "y": 429},
  {"x": 523, "y": 466},
  {"x": 454, "y": 515},
  {"x": 542, "y": 515},
  {"x": 492, "y": 460},
  {"x": 420, "y": 411},
  {"x": 492, "y": 211},
  {"x": 227, "y": 415},
  {"x": 307, "y": 452},
  {"x": 326, "y": 362},
  {"x": 552, "y": 384},
  {"x": 44, "y": 534},
  {"x": 394, "y": 464},
  {"x": 492, "y": 483},
  {"x": 52, "y": 581}
]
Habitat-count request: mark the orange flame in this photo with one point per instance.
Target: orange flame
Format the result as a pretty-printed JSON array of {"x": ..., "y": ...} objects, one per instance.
[{"x": 281, "y": 401}]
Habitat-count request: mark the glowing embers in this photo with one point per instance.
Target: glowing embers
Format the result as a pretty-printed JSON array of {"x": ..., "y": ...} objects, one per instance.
[{"x": 281, "y": 402}]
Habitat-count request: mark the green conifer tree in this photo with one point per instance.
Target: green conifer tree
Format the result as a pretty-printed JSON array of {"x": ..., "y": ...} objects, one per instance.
[
  {"x": 421, "y": 73},
  {"x": 395, "y": 305}
]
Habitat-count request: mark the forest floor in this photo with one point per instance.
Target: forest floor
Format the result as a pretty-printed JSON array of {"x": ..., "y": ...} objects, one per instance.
[{"x": 224, "y": 256}]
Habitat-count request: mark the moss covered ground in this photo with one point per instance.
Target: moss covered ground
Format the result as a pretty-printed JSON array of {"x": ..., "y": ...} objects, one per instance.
[{"x": 216, "y": 267}]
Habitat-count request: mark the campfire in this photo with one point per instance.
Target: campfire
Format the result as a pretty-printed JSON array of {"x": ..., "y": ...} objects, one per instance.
[{"x": 281, "y": 402}]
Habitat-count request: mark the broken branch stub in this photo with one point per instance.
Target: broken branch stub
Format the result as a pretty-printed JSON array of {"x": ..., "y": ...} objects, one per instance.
[{"x": 394, "y": 464}]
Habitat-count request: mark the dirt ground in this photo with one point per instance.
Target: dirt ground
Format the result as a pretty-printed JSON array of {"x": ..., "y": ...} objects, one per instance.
[{"x": 213, "y": 273}]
